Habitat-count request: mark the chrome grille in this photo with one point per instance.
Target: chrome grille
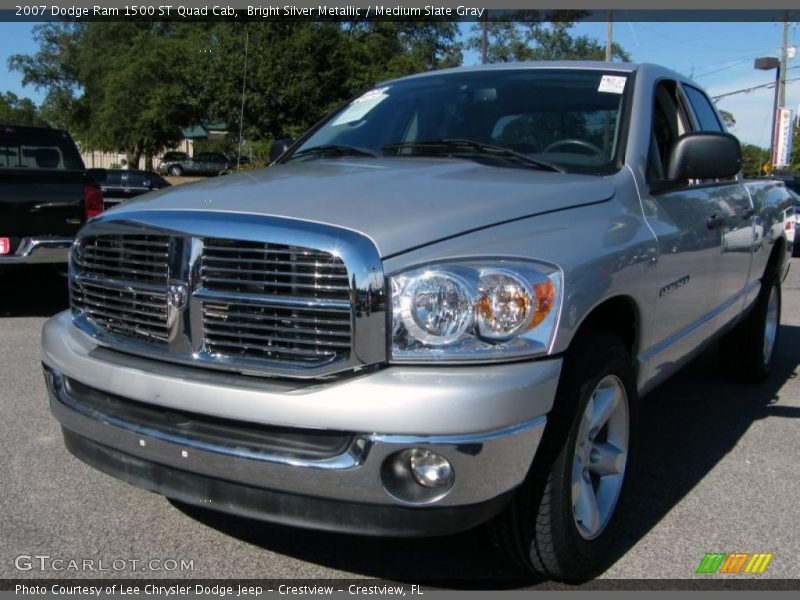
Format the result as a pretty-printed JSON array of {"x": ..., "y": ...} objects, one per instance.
[
  {"x": 271, "y": 269},
  {"x": 258, "y": 307},
  {"x": 119, "y": 283},
  {"x": 134, "y": 258},
  {"x": 273, "y": 302}
]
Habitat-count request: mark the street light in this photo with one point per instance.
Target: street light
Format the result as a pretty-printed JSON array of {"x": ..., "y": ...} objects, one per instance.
[{"x": 765, "y": 63}]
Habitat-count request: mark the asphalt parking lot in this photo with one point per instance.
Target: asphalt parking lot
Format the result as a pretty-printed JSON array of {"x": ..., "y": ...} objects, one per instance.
[{"x": 718, "y": 473}]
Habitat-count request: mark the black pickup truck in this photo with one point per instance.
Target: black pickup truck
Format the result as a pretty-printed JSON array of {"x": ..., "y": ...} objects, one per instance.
[{"x": 46, "y": 195}]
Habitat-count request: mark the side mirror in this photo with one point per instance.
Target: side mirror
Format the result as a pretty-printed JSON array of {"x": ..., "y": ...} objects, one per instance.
[
  {"x": 704, "y": 155},
  {"x": 279, "y": 147}
]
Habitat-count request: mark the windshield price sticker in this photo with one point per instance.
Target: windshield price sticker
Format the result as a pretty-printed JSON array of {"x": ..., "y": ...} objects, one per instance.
[
  {"x": 612, "y": 84},
  {"x": 372, "y": 95},
  {"x": 359, "y": 107}
]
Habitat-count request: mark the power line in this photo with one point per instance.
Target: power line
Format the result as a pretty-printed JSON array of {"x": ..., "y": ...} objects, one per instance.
[
  {"x": 730, "y": 66},
  {"x": 750, "y": 89},
  {"x": 689, "y": 41}
]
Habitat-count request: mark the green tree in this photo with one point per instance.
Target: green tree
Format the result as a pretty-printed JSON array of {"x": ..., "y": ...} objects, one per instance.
[
  {"x": 132, "y": 86},
  {"x": 19, "y": 111},
  {"x": 538, "y": 38},
  {"x": 753, "y": 159},
  {"x": 383, "y": 50},
  {"x": 728, "y": 119},
  {"x": 116, "y": 86},
  {"x": 297, "y": 72},
  {"x": 796, "y": 149},
  {"x": 294, "y": 72}
]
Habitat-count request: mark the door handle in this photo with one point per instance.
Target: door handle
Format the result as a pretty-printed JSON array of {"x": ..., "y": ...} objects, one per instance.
[
  {"x": 748, "y": 212},
  {"x": 715, "y": 222}
]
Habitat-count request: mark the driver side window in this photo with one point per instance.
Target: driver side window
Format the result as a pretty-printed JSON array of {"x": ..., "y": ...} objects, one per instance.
[{"x": 669, "y": 123}]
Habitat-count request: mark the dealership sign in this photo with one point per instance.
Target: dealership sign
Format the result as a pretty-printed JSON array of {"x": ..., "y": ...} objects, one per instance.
[{"x": 784, "y": 128}]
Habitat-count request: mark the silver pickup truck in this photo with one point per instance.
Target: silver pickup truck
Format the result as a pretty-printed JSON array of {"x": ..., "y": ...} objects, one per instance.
[{"x": 438, "y": 308}]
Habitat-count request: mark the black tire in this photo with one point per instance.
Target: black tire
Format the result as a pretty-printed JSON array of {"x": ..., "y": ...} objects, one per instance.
[
  {"x": 742, "y": 350},
  {"x": 537, "y": 530},
  {"x": 175, "y": 171}
]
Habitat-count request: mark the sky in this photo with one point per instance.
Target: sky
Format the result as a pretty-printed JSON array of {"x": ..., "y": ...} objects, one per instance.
[{"x": 719, "y": 56}]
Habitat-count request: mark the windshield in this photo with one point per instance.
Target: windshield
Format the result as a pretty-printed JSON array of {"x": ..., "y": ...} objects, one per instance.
[{"x": 570, "y": 119}]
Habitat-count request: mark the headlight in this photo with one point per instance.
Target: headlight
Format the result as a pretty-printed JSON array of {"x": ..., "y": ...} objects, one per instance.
[
  {"x": 486, "y": 310},
  {"x": 437, "y": 309}
]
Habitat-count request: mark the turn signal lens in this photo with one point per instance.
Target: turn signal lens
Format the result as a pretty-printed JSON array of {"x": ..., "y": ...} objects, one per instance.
[{"x": 545, "y": 294}]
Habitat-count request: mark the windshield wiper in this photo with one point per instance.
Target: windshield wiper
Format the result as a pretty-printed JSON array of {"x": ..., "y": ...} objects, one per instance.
[
  {"x": 334, "y": 149},
  {"x": 476, "y": 147}
]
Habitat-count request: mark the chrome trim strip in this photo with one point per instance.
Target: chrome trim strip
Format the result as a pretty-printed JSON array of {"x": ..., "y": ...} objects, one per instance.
[
  {"x": 39, "y": 251},
  {"x": 272, "y": 301},
  {"x": 366, "y": 308},
  {"x": 460, "y": 440},
  {"x": 120, "y": 284}
]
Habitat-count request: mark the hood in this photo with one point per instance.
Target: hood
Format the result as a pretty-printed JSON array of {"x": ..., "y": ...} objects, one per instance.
[{"x": 400, "y": 203}]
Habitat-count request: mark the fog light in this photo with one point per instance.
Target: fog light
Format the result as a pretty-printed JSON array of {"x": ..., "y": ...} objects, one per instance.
[
  {"x": 430, "y": 469},
  {"x": 417, "y": 476}
]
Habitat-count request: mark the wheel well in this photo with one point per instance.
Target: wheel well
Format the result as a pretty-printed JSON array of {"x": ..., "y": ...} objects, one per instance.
[
  {"x": 618, "y": 316},
  {"x": 777, "y": 254}
]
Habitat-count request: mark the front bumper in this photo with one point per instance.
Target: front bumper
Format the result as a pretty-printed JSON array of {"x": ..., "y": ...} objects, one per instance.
[
  {"x": 36, "y": 251},
  {"x": 487, "y": 421}
]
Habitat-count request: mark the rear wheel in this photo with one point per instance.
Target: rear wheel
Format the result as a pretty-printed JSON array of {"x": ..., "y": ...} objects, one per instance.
[
  {"x": 748, "y": 350},
  {"x": 563, "y": 520}
]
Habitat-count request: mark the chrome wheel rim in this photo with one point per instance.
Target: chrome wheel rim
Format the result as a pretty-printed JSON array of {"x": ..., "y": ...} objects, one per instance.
[
  {"x": 771, "y": 325},
  {"x": 599, "y": 457}
]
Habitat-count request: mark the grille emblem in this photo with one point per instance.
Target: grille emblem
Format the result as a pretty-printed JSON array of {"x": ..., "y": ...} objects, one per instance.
[{"x": 177, "y": 296}]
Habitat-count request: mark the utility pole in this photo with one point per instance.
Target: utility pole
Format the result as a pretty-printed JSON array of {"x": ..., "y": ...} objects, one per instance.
[
  {"x": 767, "y": 63},
  {"x": 784, "y": 61},
  {"x": 609, "y": 34},
  {"x": 780, "y": 92}
]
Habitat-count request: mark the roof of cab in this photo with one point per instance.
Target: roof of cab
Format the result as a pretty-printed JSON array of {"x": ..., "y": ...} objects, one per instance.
[{"x": 648, "y": 70}]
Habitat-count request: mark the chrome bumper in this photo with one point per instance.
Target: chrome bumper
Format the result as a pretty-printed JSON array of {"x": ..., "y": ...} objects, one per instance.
[
  {"x": 39, "y": 251},
  {"x": 487, "y": 421}
]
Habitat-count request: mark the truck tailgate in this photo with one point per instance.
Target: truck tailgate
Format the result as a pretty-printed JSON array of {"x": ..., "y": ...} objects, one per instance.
[{"x": 41, "y": 202}]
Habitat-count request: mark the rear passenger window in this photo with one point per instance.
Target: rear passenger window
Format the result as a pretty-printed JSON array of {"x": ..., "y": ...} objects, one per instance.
[
  {"x": 112, "y": 178},
  {"x": 706, "y": 115},
  {"x": 137, "y": 180}
]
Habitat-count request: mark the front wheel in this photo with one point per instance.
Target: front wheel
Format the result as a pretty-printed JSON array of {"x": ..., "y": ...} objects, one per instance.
[
  {"x": 175, "y": 171},
  {"x": 562, "y": 521}
]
